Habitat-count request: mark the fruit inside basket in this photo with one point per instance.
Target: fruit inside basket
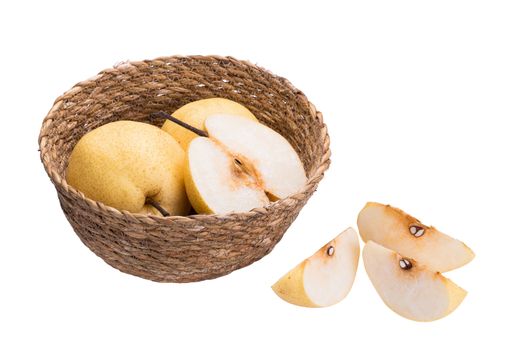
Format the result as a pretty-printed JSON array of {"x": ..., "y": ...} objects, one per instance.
[{"x": 171, "y": 246}]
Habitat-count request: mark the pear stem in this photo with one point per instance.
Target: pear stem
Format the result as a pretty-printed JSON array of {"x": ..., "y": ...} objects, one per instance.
[
  {"x": 167, "y": 116},
  {"x": 157, "y": 206}
]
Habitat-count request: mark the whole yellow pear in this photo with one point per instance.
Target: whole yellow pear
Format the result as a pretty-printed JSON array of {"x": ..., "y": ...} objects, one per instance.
[
  {"x": 195, "y": 113},
  {"x": 126, "y": 165}
]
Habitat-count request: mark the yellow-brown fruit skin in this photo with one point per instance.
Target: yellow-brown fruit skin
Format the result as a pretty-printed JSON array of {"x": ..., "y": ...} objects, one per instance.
[
  {"x": 123, "y": 163},
  {"x": 196, "y": 200},
  {"x": 195, "y": 114},
  {"x": 290, "y": 287},
  {"x": 456, "y": 295},
  {"x": 331, "y": 269}
]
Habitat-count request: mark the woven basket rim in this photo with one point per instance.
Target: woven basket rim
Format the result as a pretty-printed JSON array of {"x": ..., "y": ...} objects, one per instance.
[{"x": 59, "y": 180}]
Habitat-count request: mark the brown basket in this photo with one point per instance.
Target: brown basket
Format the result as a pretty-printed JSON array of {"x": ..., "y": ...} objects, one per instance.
[{"x": 196, "y": 247}]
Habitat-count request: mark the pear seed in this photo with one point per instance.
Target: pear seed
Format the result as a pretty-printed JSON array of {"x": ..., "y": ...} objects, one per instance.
[
  {"x": 405, "y": 264},
  {"x": 416, "y": 231}
]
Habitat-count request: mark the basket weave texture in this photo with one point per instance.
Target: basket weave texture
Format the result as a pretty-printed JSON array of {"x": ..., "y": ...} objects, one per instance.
[{"x": 196, "y": 247}]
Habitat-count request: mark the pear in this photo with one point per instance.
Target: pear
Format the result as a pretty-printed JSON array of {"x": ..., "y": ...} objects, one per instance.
[
  {"x": 409, "y": 288},
  {"x": 130, "y": 166},
  {"x": 326, "y": 277},
  {"x": 238, "y": 164},
  {"x": 395, "y": 229},
  {"x": 195, "y": 113}
]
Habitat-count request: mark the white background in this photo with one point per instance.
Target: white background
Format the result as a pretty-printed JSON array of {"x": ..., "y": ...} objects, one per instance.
[{"x": 424, "y": 103}]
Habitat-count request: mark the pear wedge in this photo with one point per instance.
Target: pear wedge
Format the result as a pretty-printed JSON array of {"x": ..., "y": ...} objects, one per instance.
[
  {"x": 326, "y": 277},
  {"x": 395, "y": 229},
  {"x": 409, "y": 288}
]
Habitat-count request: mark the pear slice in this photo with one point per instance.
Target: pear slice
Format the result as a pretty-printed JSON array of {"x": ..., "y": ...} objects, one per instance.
[
  {"x": 326, "y": 277},
  {"x": 395, "y": 229},
  {"x": 409, "y": 288},
  {"x": 238, "y": 164}
]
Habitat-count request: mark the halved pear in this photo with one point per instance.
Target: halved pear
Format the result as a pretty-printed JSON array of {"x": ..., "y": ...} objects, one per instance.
[
  {"x": 240, "y": 165},
  {"x": 326, "y": 277},
  {"x": 409, "y": 288},
  {"x": 395, "y": 229},
  {"x": 195, "y": 114}
]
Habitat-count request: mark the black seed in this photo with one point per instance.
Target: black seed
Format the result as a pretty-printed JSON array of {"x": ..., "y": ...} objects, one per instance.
[
  {"x": 416, "y": 231},
  {"x": 405, "y": 264},
  {"x": 330, "y": 251}
]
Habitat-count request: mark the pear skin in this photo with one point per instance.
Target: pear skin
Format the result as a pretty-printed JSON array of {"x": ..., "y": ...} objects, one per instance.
[
  {"x": 195, "y": 114},
  {"x": 125, "y": 164},
  {"x": 326, "y": 277}
]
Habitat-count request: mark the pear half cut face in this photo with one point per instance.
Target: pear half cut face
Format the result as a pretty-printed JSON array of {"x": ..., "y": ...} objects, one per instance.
[
  {"x": 241, "y": 165},
  {"x": 409, "y": 288},
  {"x": 326, "y": 277},
  {"x": 220, "y": 182},
  {"x": 395, "y": 229}
]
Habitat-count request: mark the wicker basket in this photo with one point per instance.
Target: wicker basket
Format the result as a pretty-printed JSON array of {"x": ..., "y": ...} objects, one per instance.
[{"x": 196, "y": 247}]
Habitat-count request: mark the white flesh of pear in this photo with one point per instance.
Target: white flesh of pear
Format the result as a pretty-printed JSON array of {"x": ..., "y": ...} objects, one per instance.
[
  {"x": 396, "y": 230},
  {"x": 270, "y": 154},
  {"x": 217, "y": 179},
  {"x": 328, "y": 279},
  {"x": 416, "y": 293}
]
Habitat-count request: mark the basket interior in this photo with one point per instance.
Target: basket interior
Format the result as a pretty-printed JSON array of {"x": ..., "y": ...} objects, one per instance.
[{"x": 132, "y": 91}]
